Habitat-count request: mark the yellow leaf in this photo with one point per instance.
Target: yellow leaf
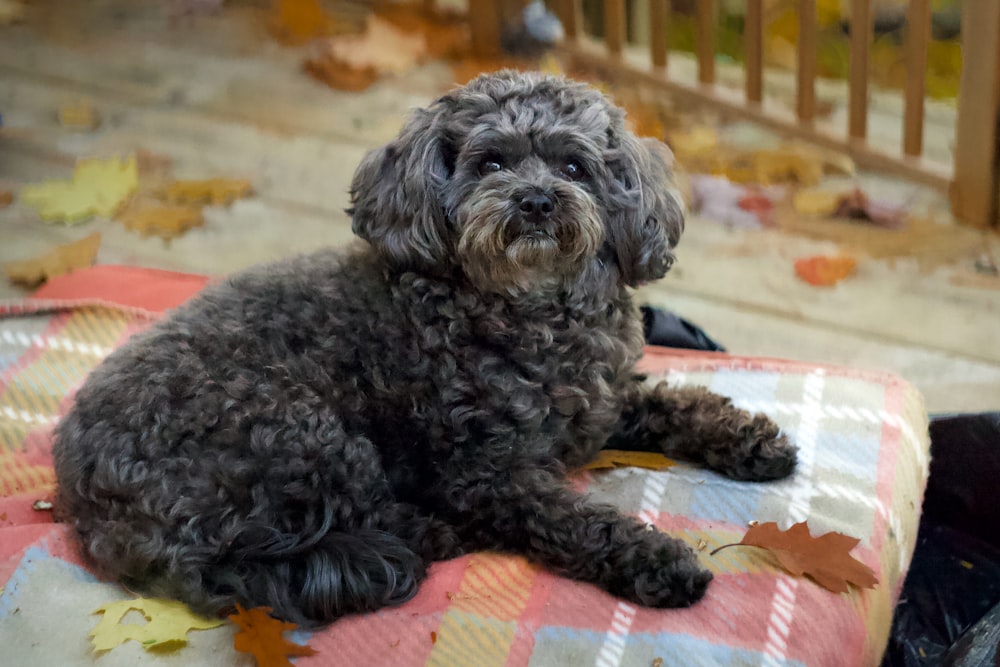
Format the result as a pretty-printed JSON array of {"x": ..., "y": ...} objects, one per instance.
[
  {"x": 168, "y": 622},
  {"x": 218, "y": 191},
  {"x": 98, "y": 187},
  {"x": 816, "y": 202},
  {"x": 693, "y": 142},
  {"x": 164, "y": 221},
  {"x": 58, "y": 261},
  {"x": 79, "y": 115},
  {"x": 617, "y": 458}
]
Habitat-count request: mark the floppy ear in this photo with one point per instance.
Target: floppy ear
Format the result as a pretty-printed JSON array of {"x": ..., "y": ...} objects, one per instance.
[
  {"x": 647, "y": 224},
  {"x": 396, "y": 193}
]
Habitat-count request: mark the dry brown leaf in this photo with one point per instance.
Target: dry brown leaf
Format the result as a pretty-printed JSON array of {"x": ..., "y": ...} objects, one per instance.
[
  {"x": 445, "y": 34},
  {"x": 617, "y": 458},
  {"x": 339, "y": 75},
  {"x": 825, "y": 559},
  {"x": 823, "y": 271},
  {"x": 79, "y": 115},
  {"x": 262, "y": 636},
  {"x": 166, "y": 221},
  {"x": 60, "y": 260},
  {"x": 217, "y": 191},
  {"x": 295, "y": 22},
  {"x": 6, "y": 198},
  {"x": 382, "y": 46}
]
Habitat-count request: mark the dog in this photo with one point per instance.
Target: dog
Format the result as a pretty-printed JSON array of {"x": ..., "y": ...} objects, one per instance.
[{"x": 309, "y": 435}]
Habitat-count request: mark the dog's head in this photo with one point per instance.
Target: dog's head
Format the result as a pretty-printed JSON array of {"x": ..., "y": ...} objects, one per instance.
[{"x": 520, "y": 180}]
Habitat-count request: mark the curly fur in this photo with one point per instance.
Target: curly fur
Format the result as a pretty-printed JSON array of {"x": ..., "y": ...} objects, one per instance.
[{"x": 311, "y": 434}]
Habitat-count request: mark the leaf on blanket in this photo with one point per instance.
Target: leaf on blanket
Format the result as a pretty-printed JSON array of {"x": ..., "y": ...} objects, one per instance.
[
  {"x": 98, "y": 187},
  {"x": 60, "y": 260},
  {"x": 6, "y": 198},
  {"x": 815, "y": 202},
  {"x": 168, "y": 622},
  {"x": 825, "y": 559},
  {"x": 823, "y": 271},
  {"x": 166, "y": 221},
  {"x": 217, "y": 191},
  {"x": 327, "y": 68},
  {"x": 617, "y": 458},
  {"x": 263, "y": 636}
]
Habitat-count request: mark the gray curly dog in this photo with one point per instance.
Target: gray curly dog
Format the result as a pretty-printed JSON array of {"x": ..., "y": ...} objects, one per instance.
[{"x": 309, "y": 435}]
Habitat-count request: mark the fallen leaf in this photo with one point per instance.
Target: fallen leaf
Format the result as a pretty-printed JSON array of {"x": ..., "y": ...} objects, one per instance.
[
  {"x": 6, "y": 198},
  {"x": 381, "y": 46},
  {"x": 166, "y": 221},
  {"x": 857, "y": 205},
  {"x": 815, "y": 202},
  {"x": 339, "y": 75},
  {"x": 98, "y": 187},
  {"x": 617, "y": 458},
  {"x": 294, "y": 22},
  {"x": 60, "y": 260},
  {"x": 168, "y": 622},
  {"x": 79, "y": 115},
  {"x": 445, "y": 33},
  {"x": 263, "y": 636},
  {"x": 217, "y": 191},
  {"x": 760, "y": 205},
  {"x": 434, "y": 637},
  {"x": 825, "y": 559},
  {"x": 823, "y": 271}
]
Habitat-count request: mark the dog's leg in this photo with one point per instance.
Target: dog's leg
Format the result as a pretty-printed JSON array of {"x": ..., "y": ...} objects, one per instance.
[
  {"x": 697, "y": 425},
  {"x": 532, "y": 513}
]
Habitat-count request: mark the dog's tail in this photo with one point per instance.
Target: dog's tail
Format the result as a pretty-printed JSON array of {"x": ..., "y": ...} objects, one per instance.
[{"x": 308, "y": 583}]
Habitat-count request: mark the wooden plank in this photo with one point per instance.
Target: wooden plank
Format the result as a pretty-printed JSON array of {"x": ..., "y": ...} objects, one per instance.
[
  {"x": 918, "y": 35},
  {"x": 614, "y": 26},
  {"x": 974, "y": 194},
  {"x": 753, "y": 45},
  {"x": 704, "y": 40},
  {"x": 805, "y": 99},
  {"x": 658, "y": 12},
  {"x": 570, "y": 13},
  {"x": 860, "y": 49}
]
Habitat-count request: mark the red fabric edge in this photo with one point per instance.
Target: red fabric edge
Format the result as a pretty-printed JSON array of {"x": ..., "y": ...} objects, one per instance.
[{"x": 131, "y": 287}]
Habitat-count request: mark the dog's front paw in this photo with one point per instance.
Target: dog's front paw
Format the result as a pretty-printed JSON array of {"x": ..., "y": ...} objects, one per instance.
[
  {"x": 761, "y": 452},
  {"x": 667, "y": 576}
]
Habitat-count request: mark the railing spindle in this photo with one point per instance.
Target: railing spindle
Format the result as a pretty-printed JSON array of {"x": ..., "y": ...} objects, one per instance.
[
  {"x": 658, "y": 33},
  {"x": 704, "y": 40},
  {"x": 918, "y": 36},
  {"x": 614, "y": 26},
  {"x": 753, "y": 45},
  {"x": 806, "y": 93},
  {"x": 570, "y": 13},
  {"x": 861, "y": 39}
]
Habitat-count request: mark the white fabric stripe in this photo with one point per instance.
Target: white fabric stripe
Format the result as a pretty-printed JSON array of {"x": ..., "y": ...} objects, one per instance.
[
  {"x": 652, "y": 497},
  {"x": 27, "y": 417},
  {"x": 613, "y": 648},
  {"x": 53, "y": 343},
  {"x": 783, "y": 602}
]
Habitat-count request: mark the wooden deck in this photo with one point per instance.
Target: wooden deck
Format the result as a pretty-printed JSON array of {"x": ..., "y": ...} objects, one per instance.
[{"x": 220, "y": 98}]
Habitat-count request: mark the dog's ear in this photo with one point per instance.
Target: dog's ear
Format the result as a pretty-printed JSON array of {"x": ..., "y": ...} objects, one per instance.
[
  {"x": 648, "y": 222},
  {"x": 396, "y": 193}
]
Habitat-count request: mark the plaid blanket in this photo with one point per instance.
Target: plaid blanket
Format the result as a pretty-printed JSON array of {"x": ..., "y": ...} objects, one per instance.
[{"x": 863, "y": 467}]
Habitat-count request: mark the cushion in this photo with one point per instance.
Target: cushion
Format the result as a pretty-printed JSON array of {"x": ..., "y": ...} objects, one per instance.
[{"x": 863, "y": 468}]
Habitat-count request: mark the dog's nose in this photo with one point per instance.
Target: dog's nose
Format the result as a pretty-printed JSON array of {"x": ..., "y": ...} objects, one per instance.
[{"x": 537, "y": 206}]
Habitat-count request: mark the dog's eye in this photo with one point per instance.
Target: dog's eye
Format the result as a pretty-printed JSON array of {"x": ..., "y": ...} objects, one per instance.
[
  {"x": 490, "y": 164},
  {"x": 573, "y": 171}
]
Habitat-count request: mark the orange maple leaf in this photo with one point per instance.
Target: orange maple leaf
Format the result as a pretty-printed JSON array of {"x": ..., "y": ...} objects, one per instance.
[
  {"x": 262, "y": 636},
  {"x": 822, "y": 271},
  {"x": 59, "y": 260},
  {"x": 616, "y": 458},
  {"x": 825, "y": 559}
]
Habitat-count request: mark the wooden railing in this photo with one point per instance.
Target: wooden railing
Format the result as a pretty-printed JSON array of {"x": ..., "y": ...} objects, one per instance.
[{"x": 972, "y": 178}]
